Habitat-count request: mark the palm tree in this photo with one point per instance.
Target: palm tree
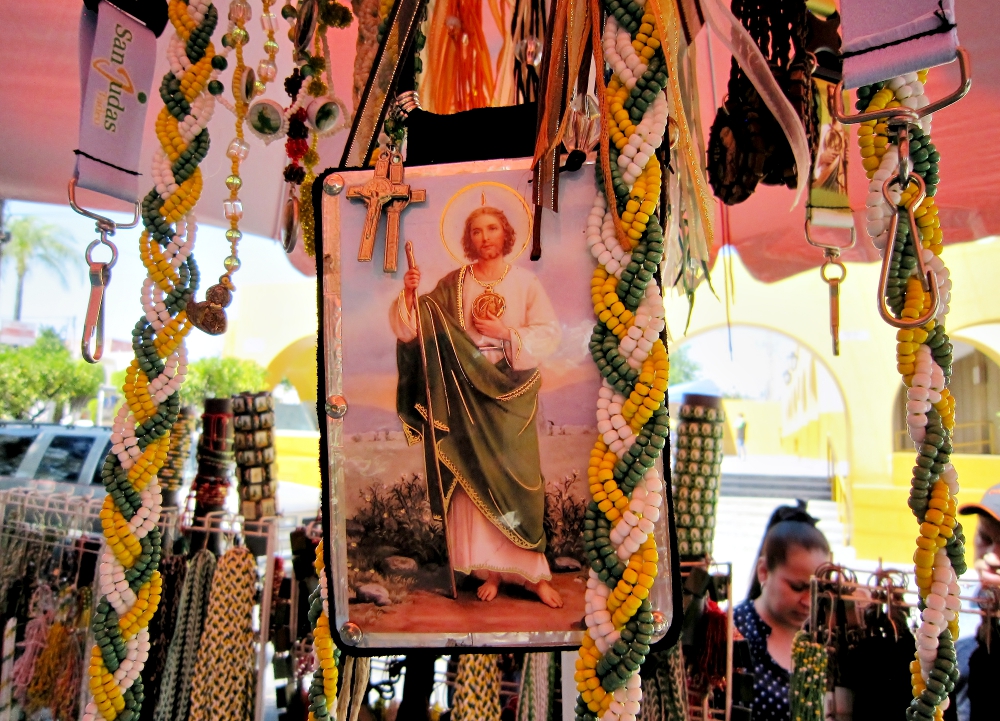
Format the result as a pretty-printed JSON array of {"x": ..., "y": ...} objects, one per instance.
[{"x": 33, "y": 243}]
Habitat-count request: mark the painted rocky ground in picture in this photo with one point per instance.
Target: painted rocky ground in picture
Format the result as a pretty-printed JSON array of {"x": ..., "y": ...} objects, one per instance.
[{"x": 397, "y": 554}]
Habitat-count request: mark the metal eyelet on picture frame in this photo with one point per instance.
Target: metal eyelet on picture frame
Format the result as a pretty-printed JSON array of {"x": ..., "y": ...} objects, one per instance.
[{"x": 336, "y": 406}]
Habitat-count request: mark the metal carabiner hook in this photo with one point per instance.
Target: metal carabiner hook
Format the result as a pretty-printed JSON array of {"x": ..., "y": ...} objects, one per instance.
[
  {"x": 928, "y": 279},
  {"x": 829, "y": 246},
  {"x": 103, "y": 223},
  {"x": 100, "y": 276}
]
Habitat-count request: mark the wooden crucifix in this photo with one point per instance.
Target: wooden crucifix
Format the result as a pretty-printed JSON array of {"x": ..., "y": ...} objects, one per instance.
[{"x": 386, "y": 188}]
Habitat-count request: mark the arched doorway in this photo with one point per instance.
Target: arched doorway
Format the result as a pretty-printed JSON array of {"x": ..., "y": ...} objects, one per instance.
[
  {"x": 975, "y": 380},
  {"x": 794, "y": 415}
]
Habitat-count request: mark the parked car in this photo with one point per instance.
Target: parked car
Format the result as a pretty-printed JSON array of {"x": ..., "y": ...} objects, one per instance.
[{"x": 63, "y": 459}]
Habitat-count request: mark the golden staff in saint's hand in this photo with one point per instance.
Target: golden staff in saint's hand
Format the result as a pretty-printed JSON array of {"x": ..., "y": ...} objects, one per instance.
[{"x": 435, "y": 488}]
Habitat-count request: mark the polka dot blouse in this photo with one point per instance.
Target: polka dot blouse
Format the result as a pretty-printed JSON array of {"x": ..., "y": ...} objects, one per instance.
[{"x": 771, "y": 681}]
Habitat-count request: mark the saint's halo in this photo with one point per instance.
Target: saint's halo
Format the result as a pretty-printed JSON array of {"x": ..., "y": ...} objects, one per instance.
[{"x": 493, "y": 195}]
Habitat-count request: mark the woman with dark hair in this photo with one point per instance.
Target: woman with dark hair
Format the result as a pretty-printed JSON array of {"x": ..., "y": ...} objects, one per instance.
[{"x": 778, "y": 604}]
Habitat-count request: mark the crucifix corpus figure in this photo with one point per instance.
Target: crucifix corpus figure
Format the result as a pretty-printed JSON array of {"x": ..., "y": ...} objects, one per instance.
[{"x": 386, "y": 187}]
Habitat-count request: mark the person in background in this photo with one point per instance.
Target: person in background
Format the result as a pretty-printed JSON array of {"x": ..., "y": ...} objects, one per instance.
[
  {"x": 741, "y": 436},
  {"x": 974, "y": 698},
  {"x": 778, "y": 604}
]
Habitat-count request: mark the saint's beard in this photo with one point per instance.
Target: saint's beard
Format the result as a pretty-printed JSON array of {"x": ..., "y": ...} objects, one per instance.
[{"x": 490, "y": 252}]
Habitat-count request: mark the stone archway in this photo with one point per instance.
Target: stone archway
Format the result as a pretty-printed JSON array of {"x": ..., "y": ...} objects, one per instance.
[{"x": 296, "y": 363}]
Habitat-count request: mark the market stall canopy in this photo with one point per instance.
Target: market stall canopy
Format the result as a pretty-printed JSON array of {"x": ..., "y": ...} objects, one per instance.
[
  {"x": 40, "y": 100},
  {"x": 40, "y": 107},
  {"x": 769, "y": 235}
]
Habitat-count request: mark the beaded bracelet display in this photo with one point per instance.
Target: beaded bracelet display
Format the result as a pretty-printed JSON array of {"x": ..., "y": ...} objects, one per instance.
[
  {"x": 171, "y": 475},
  {"x": 924, "y": 359},
  {"x": 128, "y": 577},
  {"x": 323, "y": 688},
  {"x": 626, "y": 489},
  {"x": 253, "y": 418},
  {"x": 697, "y": 470}
]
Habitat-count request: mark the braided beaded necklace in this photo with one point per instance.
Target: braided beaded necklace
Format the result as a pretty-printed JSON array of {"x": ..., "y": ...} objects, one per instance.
[
  {"x": 175, "y": 690},
  {"x": 128, "y": 577},
  {"x": 323, "y": 687},
  {"x": 924, "y": 359},
  {"x": 224, "y": 682},
  {"x": 625, "y": 487}
]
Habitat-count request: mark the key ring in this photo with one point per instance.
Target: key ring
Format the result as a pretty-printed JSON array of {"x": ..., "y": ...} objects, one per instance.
[
  {"x": 103, "y": 240},
  {"x": 833, "y": 258}
]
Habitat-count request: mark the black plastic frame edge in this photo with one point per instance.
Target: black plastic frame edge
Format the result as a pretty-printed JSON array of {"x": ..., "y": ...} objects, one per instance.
[{"x": 363, "y": 100}]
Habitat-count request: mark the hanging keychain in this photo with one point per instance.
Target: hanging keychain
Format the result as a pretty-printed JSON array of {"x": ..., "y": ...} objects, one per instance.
[
  {"x": 833, "y": 258},
  {"x": 100, "y": 276}
]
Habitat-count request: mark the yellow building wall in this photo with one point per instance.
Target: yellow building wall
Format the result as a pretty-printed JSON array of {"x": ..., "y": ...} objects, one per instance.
[
  {"x": 886, "y": 528},
  {"x": 296, "y": 455},
  {"x": 763, "y": 426},
  {"x": 270, "y": 317},
  {"x": 880, "y": 522},
  {"x": 810, "y": 440}
]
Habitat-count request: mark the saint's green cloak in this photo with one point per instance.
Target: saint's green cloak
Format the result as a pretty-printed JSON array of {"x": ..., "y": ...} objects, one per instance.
[{"x": 484, "y": 419}]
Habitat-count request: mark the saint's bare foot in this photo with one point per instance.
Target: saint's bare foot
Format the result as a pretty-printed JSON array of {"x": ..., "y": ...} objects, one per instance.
[
  {"x": 488, "y": 591},
  {"x": 546, "y": 594}
]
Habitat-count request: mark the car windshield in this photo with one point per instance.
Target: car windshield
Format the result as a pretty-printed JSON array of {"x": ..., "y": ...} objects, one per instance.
[
  {"x": 100, "y": 464},
  {"x": 12, "y": 450},
  {"x": 64, "y": 458}
]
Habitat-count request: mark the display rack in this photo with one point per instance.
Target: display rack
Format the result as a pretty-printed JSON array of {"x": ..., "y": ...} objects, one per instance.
[
  {"x": 700, "y": 705},
  {"x": 891, "y": 588},
  {"x": 59, "y": 517},
  {"x": 32, "y": 519}
]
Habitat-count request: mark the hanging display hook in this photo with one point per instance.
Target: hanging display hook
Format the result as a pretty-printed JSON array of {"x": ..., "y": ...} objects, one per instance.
[
  {"x": 100, "y": 276},
  {"x": 928, "y": 279}
]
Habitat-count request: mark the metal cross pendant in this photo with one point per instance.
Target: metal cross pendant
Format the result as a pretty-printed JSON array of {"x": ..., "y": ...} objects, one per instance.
[{"x": 386, "y": 188}]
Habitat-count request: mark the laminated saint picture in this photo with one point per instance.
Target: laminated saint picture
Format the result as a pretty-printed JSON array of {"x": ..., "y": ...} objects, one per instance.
[{"x": 460, "y": 474}]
